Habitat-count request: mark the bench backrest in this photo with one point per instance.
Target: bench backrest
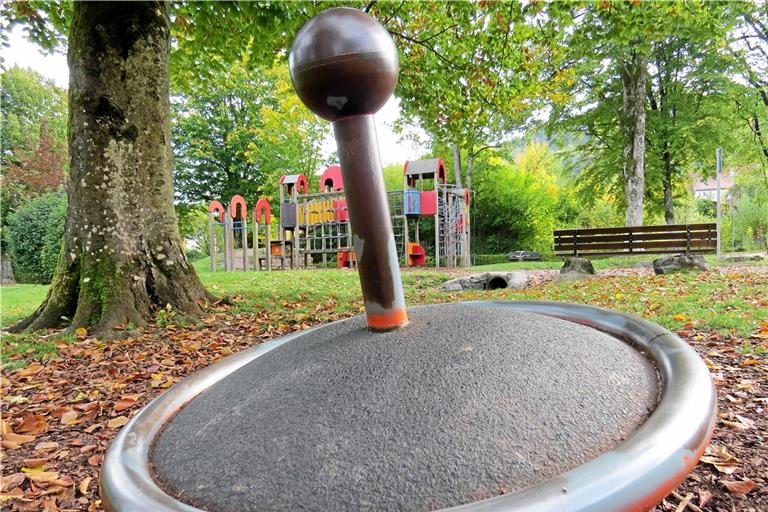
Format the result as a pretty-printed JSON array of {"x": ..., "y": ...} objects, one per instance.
[{"x": 677, "y": 238}]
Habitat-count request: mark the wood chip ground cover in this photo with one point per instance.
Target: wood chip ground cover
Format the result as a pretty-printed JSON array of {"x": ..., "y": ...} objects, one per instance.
[{"x": 60, "y": 415}]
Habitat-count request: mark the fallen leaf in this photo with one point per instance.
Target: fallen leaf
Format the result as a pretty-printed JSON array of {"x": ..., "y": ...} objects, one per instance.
[
  {"x": 16, "y": 493},
  {"x": 33, "y": 425},
  {"x": 10, "y": 446},
  {"x": 704, "y": 498},
  {"x": 124, "y": 403},
  {"x": 42, "y": 476},
  {"x": 117, "y": 422},
  {"x": 17, "y": 399},
  {"x": 38, "y": 462},
  {"x": 69, "y": 418},
  {"x": 13, "y": 441},
  {"x": 10, "y": 482},
  {"x": 739, "y": 488},
  {"x": 95, "y": 460},
  {"x": 81, "y": 332},
  {"x": 84, "y": 485},
  {"x": 39, "y": 469},
  {"x": 30, "y": 370},
  {"x": 46, "y": 446},
  {"x": 93, "y": 427},
  {"x": 748, "y": 423}
]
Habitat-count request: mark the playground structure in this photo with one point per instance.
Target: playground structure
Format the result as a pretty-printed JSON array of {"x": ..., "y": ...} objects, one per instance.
[{"x": 314, "y": 227}]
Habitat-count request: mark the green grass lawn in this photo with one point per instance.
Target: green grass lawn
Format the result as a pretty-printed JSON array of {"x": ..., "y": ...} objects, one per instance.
[
  {"x": 732, "y": 304},
  {"x": 20, "y": 300}
]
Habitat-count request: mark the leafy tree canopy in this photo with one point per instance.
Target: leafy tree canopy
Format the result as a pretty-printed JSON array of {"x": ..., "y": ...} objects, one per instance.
[
  {"x": 241, "y": 133},
  {"x": 33, "y": 151}
]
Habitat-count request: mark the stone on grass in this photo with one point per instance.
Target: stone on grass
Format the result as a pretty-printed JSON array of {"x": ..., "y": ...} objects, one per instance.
[
  {"x": 678, "y": 263},
  {"x": 738, "y": 258},
  {"x": 487, "y": 281}
]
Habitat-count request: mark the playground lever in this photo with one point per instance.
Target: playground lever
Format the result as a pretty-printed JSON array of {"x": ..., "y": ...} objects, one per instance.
[{"x": 344, "y": 67}]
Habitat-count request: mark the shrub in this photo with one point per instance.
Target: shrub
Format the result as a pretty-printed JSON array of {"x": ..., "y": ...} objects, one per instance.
[
  {"x": 490, "y": 259},
  {"x": 34, "y": 235}
]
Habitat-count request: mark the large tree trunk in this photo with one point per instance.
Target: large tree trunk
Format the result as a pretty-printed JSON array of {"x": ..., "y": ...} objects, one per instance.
[
  {"x": 122, "y": 250},
  {"x": 470, "y": 166},
  {"x": 634, "y": 75},
  {"x": 668, "y": 183}
]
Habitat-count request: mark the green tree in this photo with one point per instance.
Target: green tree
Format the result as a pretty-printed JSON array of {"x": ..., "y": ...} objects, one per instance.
[
  {"x": 470, "y": 72},
  {"x": 33, "y": 236},
  {"x": 33, "y": 115},
  {"x": 517, "y": 204},
  {"x": 750, "y": 45},
  {"x": 618, "y": 53},
  {"x": 239, "y": 134},
  {"x": 691, "y": 110},
  {"x": 751, "y": 207}
]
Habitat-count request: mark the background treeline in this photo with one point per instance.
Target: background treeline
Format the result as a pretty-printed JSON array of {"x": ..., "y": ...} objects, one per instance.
[{"x": 554, "y": 114}]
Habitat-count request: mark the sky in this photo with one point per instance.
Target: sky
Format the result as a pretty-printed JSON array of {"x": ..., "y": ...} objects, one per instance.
[{"x": 23, "y": 53}]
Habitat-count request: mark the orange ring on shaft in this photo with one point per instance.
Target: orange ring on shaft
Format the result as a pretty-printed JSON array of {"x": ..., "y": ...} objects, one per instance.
[{"x": 387, "y": 321}]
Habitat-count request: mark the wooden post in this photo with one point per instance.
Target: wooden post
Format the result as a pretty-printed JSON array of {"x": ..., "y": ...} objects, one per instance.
[
  {"x": 322, "y": 241},
  {"x": 256, "y": 264},
  {"x": 244, "y": 227},
  {"x": 212, "y": 239},
  {"x": 268, "y": 251},
  {"x": 437, "y": 227},
  {"x": 308, "y": 241},
  {"x": 406, "y": 239},
  {"x": 296, "y": 239},
  {"x": 227, "y": 240}
]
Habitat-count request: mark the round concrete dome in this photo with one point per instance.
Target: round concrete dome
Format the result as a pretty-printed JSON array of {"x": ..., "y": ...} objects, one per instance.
[{"x": 468, "y": 402}]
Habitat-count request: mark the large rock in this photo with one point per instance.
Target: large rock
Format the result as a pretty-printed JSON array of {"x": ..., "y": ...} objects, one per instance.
[
  {"x": 577, "y": 265},
  {"x": 487, "y": 281},
  {"x": 678, "y": 263}
]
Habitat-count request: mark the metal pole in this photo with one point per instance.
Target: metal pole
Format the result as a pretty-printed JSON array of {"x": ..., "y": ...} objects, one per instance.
[
  {"x": 372, "y": 235},
  {"x": 719, "y": 210},
  {"x": 212, "y": 239},
  {"x": 344, "y": 67}
]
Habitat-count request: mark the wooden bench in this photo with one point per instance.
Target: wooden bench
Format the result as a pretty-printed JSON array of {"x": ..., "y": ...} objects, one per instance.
[{"x": 634, "y": 240}]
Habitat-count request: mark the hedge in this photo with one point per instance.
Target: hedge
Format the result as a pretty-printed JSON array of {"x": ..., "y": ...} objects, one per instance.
[{"x": 34, "y": 235}]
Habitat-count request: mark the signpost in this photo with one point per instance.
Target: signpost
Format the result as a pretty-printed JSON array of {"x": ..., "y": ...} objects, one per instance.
[{"x": 719, "y": 209}]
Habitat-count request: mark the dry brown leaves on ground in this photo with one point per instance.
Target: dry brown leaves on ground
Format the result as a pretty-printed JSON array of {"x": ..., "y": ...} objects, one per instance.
[
  {"x": 60, "y": 416},
  {"x": 733, "y": 473}
]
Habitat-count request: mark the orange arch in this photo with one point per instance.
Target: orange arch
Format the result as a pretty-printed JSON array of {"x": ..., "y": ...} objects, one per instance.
[
  {"x": 332, "y": 179},
  {"x": 262, "y": 208},
  {"x": 302, "y": 182},
  {"x": 236, "y": 201},
  {"x": 216, "y": 206}
]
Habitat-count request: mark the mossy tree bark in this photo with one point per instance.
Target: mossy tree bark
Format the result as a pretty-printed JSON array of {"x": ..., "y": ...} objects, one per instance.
[{"x": 122, "y": 250}]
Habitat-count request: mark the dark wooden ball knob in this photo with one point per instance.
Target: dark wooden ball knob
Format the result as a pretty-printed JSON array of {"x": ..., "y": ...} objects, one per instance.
[{"x": 343, "y": 63}]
